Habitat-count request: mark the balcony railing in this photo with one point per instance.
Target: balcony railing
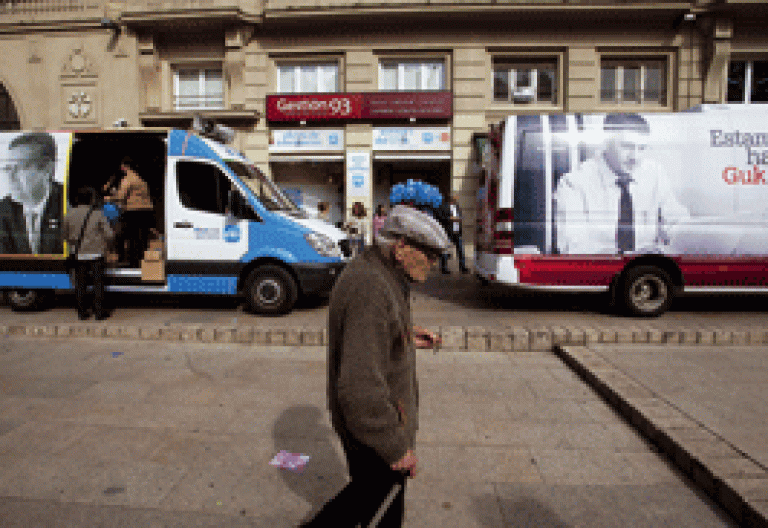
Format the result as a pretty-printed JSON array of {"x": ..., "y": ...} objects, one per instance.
[
  {"x": 163, "y": 7},
  {"x": 15, "y": 11},
  {"x": 314, "y": 5}
]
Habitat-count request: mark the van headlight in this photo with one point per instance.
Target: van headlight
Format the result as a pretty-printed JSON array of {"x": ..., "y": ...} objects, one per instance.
[{"x": 323, "y": 244}]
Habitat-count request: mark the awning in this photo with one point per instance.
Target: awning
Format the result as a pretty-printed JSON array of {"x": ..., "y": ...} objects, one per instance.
[
  {"x": 294, "y": 158},
  {"x": 427, "y": 156}
]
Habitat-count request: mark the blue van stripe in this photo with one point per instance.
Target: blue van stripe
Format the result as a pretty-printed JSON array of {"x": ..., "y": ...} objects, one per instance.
[{"x": 15, "y": 279}]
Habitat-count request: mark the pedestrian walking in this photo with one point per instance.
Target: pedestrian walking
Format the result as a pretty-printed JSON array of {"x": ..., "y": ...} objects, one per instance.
[
  {"x": 378, "y": 219},
  {"x": 372, "y": 386},
  {"x": 88, "y": 231}
]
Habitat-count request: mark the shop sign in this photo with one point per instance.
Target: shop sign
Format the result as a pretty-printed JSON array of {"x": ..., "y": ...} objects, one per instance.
[
  {"x": 410, "y": 138},
  {"x": 306, "y": 140},
  {"x": 363, "y": 106},
  {"x": 358, "y": 173}
]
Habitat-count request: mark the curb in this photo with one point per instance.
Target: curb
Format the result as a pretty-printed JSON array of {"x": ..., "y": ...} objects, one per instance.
[
  {"x": 732, "y": 479},
  {"x": 460, "y": 338}
]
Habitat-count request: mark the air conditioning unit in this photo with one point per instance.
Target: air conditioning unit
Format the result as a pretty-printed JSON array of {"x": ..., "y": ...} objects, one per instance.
[{"x": 524, "y": 93}]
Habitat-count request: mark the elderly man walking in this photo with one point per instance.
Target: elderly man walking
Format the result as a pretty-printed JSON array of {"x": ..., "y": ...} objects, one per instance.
[{"x": 372, "y": 386}]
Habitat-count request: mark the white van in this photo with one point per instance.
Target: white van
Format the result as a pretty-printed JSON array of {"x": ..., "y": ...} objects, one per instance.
[
  {"x": 644, "y": 206},
  {"x": 221, "y": 227}
]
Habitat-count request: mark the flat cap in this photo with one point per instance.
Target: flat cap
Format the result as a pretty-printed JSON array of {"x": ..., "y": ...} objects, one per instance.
[{"x": 417, "y": 227}]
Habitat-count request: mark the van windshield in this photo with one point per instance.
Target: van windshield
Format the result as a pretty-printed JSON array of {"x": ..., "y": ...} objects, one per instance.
[{"x": 268, "y": 193}]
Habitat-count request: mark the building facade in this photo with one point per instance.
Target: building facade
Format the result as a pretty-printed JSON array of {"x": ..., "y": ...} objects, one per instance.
[{"x": 337, "y": 99}]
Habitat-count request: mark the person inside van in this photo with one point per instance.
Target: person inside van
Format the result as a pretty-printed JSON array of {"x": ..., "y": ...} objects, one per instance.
[
  {"x": 619, "y": 201},
  {"x": 138, "y": 215}
]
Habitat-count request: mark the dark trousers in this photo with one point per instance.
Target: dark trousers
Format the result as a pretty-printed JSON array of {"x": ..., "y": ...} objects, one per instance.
[
  {"x": 90, "y": 272},
  {"x": 135, "y": 231},
  {"x": 456, "y": 239},
  {"x": 371, "y": 480}
]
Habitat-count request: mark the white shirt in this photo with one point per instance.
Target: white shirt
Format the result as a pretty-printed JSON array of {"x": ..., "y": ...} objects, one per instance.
[
  {"x": 33, "y": 214},
  {"x": 587, "y": 209}
]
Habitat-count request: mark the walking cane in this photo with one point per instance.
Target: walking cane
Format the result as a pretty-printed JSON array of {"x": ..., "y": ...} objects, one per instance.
[{"x": 385, "y": 505}]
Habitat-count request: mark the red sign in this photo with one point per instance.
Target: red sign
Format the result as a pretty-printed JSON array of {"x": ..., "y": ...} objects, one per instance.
[{"x": 371, "y": 105}]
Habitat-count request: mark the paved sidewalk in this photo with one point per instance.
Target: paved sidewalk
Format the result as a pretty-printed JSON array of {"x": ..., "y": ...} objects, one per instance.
[
  {"x": 117, "y": 433},
  {"x": 705, "y": 407}
]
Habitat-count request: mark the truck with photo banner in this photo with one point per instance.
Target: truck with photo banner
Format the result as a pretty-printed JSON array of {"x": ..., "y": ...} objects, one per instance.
[
  {"x": 221, "y": 226},
  {"x": 643, "y": 206}
]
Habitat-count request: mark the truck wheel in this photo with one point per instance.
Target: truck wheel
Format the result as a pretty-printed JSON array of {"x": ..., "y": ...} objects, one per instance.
[
  {"x": 647, "y": 291},
  {"x": 27, "y": 300},
  {"x": 271, "y": 290}
]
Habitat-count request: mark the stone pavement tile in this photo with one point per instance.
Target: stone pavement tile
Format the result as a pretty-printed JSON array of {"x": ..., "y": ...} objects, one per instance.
[
  {"x": 755, "y": 489},
  {"x": 279, "y": 418},
  {"x": 191, "y": 390},
  {"x": 652, "y": 467},
  {"x": 134, "y": 483},
  {"x": 589, "y": 436},
  {"x": 599, "y": 411},
  {"x": 480, "y": 464},
  {"x": 193, "y": 417},
  {"x": 29, "y": 387},
  {"x": 598, "y": 506},
  {"x": 439, "y": 427},
  {"x": 230, "y": 490},
  {"x": 593, "y": 466},
  {"x": 548, "y": 410},
  {"x": 187, "y": 417},
  {"x": 40, "y": 438},
  {"x": 114, "y": 444},
  {"x": 68, "y": 479},
  {"x": 473, "y": 507},
  {"x": 562, "y": 389},
  {"x": 116, "y": 391},
  {"x": 23, "y": 513},
  {"x": 18, "y": 408}
]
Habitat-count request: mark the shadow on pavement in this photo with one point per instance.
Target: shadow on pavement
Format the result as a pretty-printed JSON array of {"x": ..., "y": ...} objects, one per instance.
[
  {"x": 519, "y": 512},
  {"x": 302, "y": 429}
]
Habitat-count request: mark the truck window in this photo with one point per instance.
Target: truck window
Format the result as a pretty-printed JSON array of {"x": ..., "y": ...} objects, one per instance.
[
  {"x": 270, "y": 195},
  {"x": 202, "y": 186}
]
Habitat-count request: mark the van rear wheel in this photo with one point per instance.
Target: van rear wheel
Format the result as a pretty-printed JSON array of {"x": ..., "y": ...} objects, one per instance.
[
  {"x": 271, "y": 290},
  {"x": 27, "y": 300},
  {"x": 647, "y": 291}
]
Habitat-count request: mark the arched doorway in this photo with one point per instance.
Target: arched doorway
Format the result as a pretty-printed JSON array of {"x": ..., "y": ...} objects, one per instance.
[{"x": 9, "y": 118}]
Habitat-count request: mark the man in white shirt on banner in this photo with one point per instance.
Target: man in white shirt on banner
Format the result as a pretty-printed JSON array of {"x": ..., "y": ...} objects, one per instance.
[{"x": 618, "y": 201}]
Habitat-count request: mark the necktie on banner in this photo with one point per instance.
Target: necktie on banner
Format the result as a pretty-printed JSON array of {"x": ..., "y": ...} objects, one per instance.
[{"x": 625, "y": 232}]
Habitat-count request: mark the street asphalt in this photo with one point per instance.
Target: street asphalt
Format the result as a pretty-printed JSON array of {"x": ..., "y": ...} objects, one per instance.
[{"x": 127, "y": 431}]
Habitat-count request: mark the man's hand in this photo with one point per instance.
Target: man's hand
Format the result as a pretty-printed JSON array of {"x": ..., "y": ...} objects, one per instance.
[
  {"x": 423, "y": 338},
  {"x": 407, "y": 463}
]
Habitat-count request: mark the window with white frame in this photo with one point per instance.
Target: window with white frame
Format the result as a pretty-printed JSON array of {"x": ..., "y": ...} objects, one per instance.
[
  {"x": 633, "y": 81},
  {"x": 198, "y": 88},
  {"x": 308, "y": 78},
  {"x": 748, "y": 81},
  {"x": 525, "y": 81},
  {"x": 412, "y": 75}
]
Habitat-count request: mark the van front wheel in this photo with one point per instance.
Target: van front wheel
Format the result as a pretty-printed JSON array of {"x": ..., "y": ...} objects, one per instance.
[
  {"x": 271, "y": 290},
  {"x": 647, "y": 291},
  {"x": 27, "y": 300}
]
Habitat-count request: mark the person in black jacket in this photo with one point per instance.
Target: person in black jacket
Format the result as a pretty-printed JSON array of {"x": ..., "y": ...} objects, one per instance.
[
  {"x": 372, "y": 383},
  {"x": 87, "y": 225}
]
